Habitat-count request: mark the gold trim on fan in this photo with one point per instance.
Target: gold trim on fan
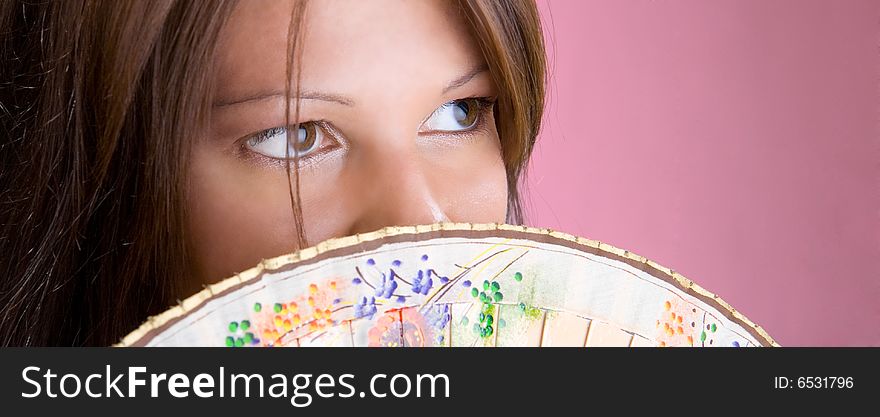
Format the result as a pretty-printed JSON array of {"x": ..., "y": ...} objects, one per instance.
[{"x": 649, "y": 266}]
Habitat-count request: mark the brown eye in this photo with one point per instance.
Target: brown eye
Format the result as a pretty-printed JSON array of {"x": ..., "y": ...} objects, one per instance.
[
  {"x": 307, "y": 137},
  {"x": 465, "y": 112},
  {"x": 454, "y": 116},
  {"x": 273, "y": 142}
]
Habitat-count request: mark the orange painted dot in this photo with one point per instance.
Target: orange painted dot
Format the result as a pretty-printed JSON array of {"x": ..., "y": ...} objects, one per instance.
[
  {"x": 669, "y": 331},
  {"x": 311, "y": 301},
  {"x": 267, "y": 334},
  {"x": 277, "y": 321},
  {"x": 667, "y": 305},
  {"x": 333, "y": 285},
  {"x": 283, "y": 309},
  {"x": 293, "y": 307},
  {"x": 313, "y": 326},
  {"x": 691, "y": 340},
  {"x": 287, "y": 325},
  {"x": 327, "y": 313},
  {"x": 672, "y": 315},
  {"x": 296, "y": 319},
  {"x": 679, "y": 330},
  {"x": 318, "y": 313},
  {"x": 313, "y": 288},
  {"x": 679, "y": 319},
  {"x": 662, "y": 344}
]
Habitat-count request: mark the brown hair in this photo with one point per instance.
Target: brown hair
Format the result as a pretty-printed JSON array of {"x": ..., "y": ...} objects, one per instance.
[{"x": 98, "y": 103}]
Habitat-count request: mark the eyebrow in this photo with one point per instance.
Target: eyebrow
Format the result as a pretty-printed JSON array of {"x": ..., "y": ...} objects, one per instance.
[
  {"x": 304, "y": 95},
  {"x": 340, "y": 99},
  {"x": 465, "y": 78}
]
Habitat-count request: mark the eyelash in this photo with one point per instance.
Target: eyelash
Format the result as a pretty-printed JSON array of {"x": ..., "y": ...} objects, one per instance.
[{"x": 486, "y": 105}]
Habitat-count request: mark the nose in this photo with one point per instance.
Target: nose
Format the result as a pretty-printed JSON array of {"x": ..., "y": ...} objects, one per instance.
[{"x": 398, "y": 192}]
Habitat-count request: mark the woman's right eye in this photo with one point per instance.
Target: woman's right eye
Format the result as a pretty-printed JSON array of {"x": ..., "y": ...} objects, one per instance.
[{"x": 273, "y": 143}]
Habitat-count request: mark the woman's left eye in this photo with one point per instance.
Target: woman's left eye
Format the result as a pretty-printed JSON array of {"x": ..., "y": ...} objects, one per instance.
[
  {"x": 273, "y": 142},
  {"x": 455, "y": 116}
]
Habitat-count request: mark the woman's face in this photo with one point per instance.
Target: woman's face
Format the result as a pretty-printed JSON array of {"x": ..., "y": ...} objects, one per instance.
[{"x": 397, "y": 129}]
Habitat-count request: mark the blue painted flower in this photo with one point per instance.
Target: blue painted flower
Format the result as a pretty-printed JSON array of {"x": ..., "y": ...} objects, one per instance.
[
  {"x": 387, "y": 287},
  {"x": 439, "y": 316},
  {"x": 364, "y": 308},
  {"x": 422, "y": 283}
]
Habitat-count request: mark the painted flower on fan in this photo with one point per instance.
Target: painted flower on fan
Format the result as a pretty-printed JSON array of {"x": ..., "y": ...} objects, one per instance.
[
  {"x": 400, "y": 328},
  {"x": 422, "y": 283},
  {"x": 387, "y": 287},
  {"x": 281, "y": 322},
  {"x": 365, "y": 308},
  {"x": 491, "y": 294},
  {"x": 438, "y": 316},
  {"x": 677, "y": 324},
  {"x": 240, "y": 334}
]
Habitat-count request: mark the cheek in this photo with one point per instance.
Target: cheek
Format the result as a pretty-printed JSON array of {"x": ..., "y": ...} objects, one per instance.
[
  {"x": 473, "y": 182},
  {"x": 481, "y": 196},
  {"x": 236, "y": 217}
]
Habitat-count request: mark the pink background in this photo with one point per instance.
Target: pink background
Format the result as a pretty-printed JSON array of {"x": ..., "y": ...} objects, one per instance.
[{"x": 733, "y": 141}]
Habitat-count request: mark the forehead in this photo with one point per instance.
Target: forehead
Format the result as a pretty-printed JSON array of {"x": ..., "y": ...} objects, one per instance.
[{"x": 349, "y": 46}]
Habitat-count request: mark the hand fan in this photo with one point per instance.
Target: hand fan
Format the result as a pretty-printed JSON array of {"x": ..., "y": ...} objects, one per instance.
[{"x": 454, "y": 284}]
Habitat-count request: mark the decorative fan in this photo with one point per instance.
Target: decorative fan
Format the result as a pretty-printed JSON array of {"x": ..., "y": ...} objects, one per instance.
[{"x": 454, "y": 284}]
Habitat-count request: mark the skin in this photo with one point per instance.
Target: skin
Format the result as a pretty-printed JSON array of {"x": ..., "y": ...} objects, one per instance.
[{"x": 374, "y": 72}]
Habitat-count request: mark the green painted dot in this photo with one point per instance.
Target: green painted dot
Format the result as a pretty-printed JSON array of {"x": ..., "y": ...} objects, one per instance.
[
  {"x": 230, "y": 341},
  {"x": 485, "y": 285},
  {"x": 248, "y": 338},
  {"x": 245, "y": 324},
  {"x": 489, "y": 331},
  {"x": 496, "y": 286},
  {"x": 517, "y": 276},
  {"x": 702, "y": 336},
  {"x": 482, "y": 317},
  {"x": 474, "y": 292},
  {"x": 239, "y": 342},
  {"x": 483, "y": 297},
  {"x": 258, "y": 307},
  {"x": 277, "y": 307},
  {"x": 233, "y": 327},
  {"x": 714, "y": 328},
  {"x": 502, "y": 323},
  {"x": 522, "y": 306},
  {"x": 490, "y": 319},
  {"x": 498, "y": 297}
]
